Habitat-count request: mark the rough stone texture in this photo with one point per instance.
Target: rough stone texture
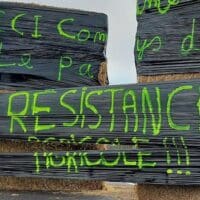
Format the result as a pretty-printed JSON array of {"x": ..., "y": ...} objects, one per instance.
[
  {"x": 168, "y": 77},
  {"x": 37, "y": 184},
  {"x": 163, "y": 40},
  {"x": 157, "y": 192},
  {"x": 48, "y": 185},
  {"x": 34, "y": 61},
  {"x": 93, "y": 195},
  {"x": 103, "y": 74},
  {"x": 127, "y": 190}
]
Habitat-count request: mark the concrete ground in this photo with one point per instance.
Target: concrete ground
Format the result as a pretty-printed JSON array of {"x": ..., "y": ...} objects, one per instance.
[
  {"x": 49, "y": 196},
  {"x": 112, "y": 191},
  {"x": 97, "y": 195}
]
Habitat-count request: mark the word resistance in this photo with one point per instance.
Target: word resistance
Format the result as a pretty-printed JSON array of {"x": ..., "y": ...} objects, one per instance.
[{"x": 139, "y": 109}]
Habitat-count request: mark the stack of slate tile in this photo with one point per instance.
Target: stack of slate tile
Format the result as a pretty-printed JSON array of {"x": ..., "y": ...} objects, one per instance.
[
  {"x": 47, "y": 48},
  {"x": 168, "y": 48}
]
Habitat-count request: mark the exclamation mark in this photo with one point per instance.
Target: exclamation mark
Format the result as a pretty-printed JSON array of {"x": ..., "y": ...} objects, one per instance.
[
  {"x": 187, "y": 155},
  {"x": 180, "y": 172},
  {"x": 179, "y": 160},
  {"x": 169, "y": 171}
]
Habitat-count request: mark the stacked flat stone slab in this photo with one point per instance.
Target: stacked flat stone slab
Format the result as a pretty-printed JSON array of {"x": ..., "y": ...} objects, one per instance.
[
  {"x": 44, "y": 47},
  {"x": 36, "y": 43},
  {"x": 172, "y": 30}
]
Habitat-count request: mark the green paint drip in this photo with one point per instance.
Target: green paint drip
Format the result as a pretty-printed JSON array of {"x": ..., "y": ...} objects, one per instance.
[
  {"x": 179, "y": 172},
  {"x": 187, "y": 154},
  {"x": 56, "y": 161},
  {"x": 90, "y": 163},
  {"x": 85, "y": 71},
  {"x": 112, "y": 125},
  {"x": 171, "y": 123},
  {"x": 103, "y": 141},
  {"x": 14, "y": 22},
  {"x": 168, "y": 153},
  {"x": 170, "y": 171},
  {"x": 93, "y": 108},
  {"x": 127, "y": 162},
  {"x": 37, "y": 163},
  {"x": 36, "y": 33},
  {"x": 136, "y": 141},
  {"x": 146, "y": 101},
  {"x": 71, "y": 162},
  {"x": 141, "y": 48},
  {"x": 62, "y": 32},
  {"x": 69, "y": 107},
  {"x": 83, "y": 94},
  {"x": 151, "y": 4},
  {"x": 64, "y": 141},
  {"x": 85, "y": 32},
  {"x": 26, "y": 61},
  {"x": 113, "y": 93},
  {"x": 177, "y": 151},
  {"x": 85, "y": 139},
  {"x": 188, "y": 43},
  {"x": 188, "y": 173},
  {"x": 5, "y": 64},
  {"x": 76, "y": 160},
  {"x": 36, "y": 110},
  {"x": 82, "y": 159},
  {"x": 33, "y": 139},
  {"x": 18, "y": 116},
  {"x": 73, "y": 139},
  {"x": 47, "y": 160},
  {"x": 141, "y": 163},
  {"x": 65, "y": 63},
  {"x": 50, "y": 139},
  {"x": 130, "y": 106},
  {"x": 198, "y": 106},
  {"x": 110, "y": 163},
  {"x": 100, "y": 36}
]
